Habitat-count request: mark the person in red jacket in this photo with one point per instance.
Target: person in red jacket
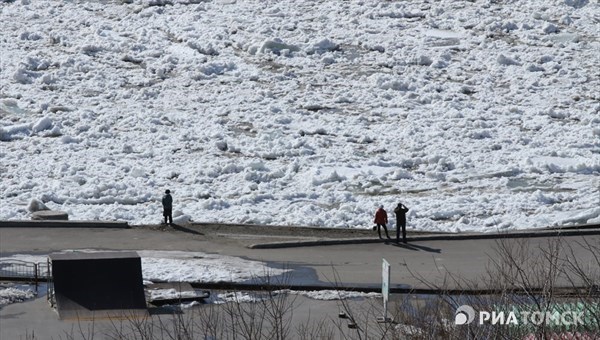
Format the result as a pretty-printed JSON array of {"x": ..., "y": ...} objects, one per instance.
[{"x": 381, "y": 220}]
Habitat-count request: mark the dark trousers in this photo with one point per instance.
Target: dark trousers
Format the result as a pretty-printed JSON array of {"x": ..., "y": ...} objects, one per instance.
[
  {"x": 401, "y": 224},
  {"x": 168, "y": 214},
  {"x": 379, "y": 226}
]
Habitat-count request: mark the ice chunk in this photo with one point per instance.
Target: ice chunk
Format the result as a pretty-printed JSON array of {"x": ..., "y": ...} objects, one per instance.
[
  {"x": 576, "y": 3},
  {"x": 36, "y": 205},
  {"x": 12, "y": 132},
  {"x": 221, "y": 145},
  {"x": 550, "y": 28},
  {"x": 322, "y": 46},
  {"x": 42, "y": 124},
  {"x": 276, "y": 46},
  {"x": 387, "y": 82},
  {"x": 504, "y": 60},
  {"x": 214, "y": 69},
  {"x": 332, "y": 177},
  {"x": 23, "y": 76},
  {"x": 69, "y": 140}
]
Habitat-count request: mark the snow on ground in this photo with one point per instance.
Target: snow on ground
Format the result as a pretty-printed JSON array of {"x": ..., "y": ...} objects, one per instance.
[
  {"x": 326, "y": 295},
  {"x": 335, "y": 294},
  {"x": 170, "y": 293},
  {"x": 477, "y": 115},
  {"x": 10, "y": 293},
  {"x": 180, "y": 266},
  {"x": 162, "y": 266}
]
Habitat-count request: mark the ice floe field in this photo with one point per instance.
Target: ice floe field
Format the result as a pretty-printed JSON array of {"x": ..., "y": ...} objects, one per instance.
[{"x": 478, "y": 115}]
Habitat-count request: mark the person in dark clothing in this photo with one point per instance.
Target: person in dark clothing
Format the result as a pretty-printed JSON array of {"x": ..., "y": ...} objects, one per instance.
[
  {"x": 381, "y": 220},
  {"x": 167, "y": 202},
  {"x": 400, "y": 212}
]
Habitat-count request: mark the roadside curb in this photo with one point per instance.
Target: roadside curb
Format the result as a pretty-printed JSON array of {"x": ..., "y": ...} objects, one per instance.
[
  {"x": 376, "y": 288},
  {"x": 63, "y": 224},
  {"x": 555, "y": 232}
]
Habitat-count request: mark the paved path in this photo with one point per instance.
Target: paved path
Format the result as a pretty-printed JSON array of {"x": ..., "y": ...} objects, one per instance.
[
  {"x": 351, "y": 264},
  {"x": 419, "y": 264}
]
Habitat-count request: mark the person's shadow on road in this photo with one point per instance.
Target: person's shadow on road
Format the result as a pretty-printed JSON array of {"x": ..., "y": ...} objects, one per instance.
[
  {"x": 185, "y": 230},
  {"x": 414, "y": 247}
]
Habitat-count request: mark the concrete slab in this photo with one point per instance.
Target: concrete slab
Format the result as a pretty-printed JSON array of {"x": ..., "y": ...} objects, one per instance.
[
  {"x": 45, "y": 215},
  {"x": 62, "y": 224}
]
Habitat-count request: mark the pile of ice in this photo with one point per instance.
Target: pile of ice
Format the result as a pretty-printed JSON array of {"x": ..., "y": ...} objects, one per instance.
[
  {"x": 477, "y": 115},
  {"x": 14, "y": 293}
]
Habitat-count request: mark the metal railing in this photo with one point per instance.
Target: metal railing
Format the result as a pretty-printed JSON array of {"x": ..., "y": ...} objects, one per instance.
[{"x": 23, "y": 271}]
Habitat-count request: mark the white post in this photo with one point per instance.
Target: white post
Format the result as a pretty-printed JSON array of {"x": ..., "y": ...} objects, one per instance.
[{"x": 385, "y": 287}]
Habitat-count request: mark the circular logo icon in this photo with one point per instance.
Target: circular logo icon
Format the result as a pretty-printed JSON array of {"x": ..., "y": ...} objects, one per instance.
[{"x": 465, "y": 314}]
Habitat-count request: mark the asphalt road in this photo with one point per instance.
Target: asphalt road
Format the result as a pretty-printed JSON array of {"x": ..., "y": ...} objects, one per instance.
[{"x": 417, "y": 264}]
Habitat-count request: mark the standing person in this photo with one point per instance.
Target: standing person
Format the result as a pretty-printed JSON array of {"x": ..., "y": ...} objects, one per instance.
[
  {"x": 167, "y": 202},
  {"x": 381, "y": 220},
  {"x": 400, "y": 212}
]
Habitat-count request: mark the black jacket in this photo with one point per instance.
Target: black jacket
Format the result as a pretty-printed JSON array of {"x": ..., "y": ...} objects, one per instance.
[
  {"x": 400, "y": 212},
  {"x": 167, "y": 201}
]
